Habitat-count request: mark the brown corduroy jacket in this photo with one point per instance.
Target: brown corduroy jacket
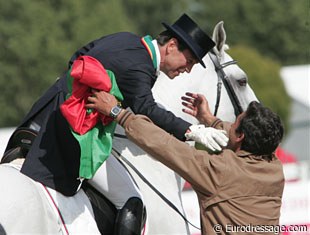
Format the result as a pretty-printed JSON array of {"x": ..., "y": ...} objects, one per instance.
[{"x": 238, "y": 193}]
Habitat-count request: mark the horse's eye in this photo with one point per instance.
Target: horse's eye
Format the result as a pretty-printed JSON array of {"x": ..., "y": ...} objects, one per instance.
[{"x": 243, "y": 81}]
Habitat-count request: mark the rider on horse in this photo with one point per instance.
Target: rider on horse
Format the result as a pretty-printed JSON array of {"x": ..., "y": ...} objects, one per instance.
[{"x": 55, "y": 156}]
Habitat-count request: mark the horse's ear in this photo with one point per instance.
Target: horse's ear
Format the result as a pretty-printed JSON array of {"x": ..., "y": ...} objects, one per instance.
[{"x": 219, "y": 37}]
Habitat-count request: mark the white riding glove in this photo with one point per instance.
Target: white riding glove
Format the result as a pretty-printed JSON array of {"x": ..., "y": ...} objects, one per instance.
[{"x": 210, "y": 137}]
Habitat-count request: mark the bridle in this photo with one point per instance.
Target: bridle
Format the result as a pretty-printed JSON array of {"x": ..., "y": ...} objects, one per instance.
[{"x": 223, "y": 79}]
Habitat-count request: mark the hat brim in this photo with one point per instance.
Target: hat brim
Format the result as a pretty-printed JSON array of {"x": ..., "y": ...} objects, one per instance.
[{"x": 186, "y": 39}]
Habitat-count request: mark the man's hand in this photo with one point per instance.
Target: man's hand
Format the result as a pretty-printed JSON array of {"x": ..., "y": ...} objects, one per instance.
[
  {"x": 210, "y": 137},
  {"x": 102, "y": 101},
  {"x": 197, "y": 106}
]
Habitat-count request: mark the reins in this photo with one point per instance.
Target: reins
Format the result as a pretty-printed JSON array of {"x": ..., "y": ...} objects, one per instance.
[
  {"x": 120, "y": 157},
  {"x": 223, "y": 79}
]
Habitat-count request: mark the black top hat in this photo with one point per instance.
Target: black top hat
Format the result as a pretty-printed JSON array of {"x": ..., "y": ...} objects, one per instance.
[{"x": 186, "y": 30}]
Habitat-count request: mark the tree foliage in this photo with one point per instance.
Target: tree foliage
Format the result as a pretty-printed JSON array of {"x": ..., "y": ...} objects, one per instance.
[
  {"x": 148, "y": 14},
  {"x": 39, "y": 36},
  {"x": 278, "y": 29}
]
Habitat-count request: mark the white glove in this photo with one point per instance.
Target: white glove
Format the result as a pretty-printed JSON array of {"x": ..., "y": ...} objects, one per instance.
[{"x": 210, "y": 137}]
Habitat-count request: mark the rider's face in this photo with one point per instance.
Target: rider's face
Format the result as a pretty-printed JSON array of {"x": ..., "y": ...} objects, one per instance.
[{"x": 175, "y": 61}]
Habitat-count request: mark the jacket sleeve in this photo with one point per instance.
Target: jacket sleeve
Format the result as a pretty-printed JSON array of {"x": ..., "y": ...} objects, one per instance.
[
  {"x": 136, "y": 88},
  {"x": 198, "y": 167}
]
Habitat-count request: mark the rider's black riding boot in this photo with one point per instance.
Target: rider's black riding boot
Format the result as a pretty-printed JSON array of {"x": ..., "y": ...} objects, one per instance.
[{"x": 129, "y": 220}]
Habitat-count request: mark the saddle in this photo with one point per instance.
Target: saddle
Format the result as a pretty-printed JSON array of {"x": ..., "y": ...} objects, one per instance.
[
  {"x": 104, "y": 211},
  {"x": 19, "y": 144}
]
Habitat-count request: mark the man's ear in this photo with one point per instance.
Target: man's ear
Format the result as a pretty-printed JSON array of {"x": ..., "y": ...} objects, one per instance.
[
  {"x": 239, "y": 137},
  {"x": 171, "y": 45}
]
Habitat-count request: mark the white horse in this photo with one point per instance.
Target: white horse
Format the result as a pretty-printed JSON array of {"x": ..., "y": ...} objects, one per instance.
[{"x": 24, "y": 204}]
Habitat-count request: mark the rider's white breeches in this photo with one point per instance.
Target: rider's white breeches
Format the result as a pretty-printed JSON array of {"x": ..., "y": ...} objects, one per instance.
[{"x": 114, "y": 182}]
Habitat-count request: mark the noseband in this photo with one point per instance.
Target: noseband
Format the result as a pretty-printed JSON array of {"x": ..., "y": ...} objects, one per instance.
[{"x": 223, "y": 79}]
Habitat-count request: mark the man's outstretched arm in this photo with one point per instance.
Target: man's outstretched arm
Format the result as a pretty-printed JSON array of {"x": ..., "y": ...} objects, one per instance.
[
  {"x": 211, "y": 138},
  {"x": 188, "y": 162}
]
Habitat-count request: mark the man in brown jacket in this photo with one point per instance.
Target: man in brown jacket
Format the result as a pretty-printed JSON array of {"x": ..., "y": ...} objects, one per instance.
[{"x": 240, "y": 189}]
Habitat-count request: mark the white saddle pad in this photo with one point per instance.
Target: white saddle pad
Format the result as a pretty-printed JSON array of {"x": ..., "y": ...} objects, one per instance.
[{"x": 74, "y": 214}]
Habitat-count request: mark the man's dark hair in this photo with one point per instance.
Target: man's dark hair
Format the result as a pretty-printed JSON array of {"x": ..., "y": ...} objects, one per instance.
[
  {"x": 166, "y": 35},
  {"x": 262, "y": 128}
]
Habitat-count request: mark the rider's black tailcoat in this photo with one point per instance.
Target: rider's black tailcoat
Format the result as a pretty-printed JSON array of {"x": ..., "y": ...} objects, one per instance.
[{"x": 54, "y": 156}]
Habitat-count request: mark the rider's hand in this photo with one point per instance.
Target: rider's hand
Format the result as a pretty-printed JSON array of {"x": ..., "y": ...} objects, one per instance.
[
  {"x": 102, "y": 101},
  {"x": 211, "y": 138}
]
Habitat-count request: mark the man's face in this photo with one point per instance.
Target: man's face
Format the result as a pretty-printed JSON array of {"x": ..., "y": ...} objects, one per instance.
[
  {"x": 175, "y": 61},
  {"x": 235, "y": 138}
]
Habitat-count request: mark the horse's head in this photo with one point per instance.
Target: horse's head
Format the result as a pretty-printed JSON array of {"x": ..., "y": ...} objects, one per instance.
[{"x": 167, "y": 92}]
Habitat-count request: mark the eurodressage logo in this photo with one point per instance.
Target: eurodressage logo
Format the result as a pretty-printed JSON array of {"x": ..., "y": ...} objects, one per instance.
[{"x": 275, "y": 229}]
